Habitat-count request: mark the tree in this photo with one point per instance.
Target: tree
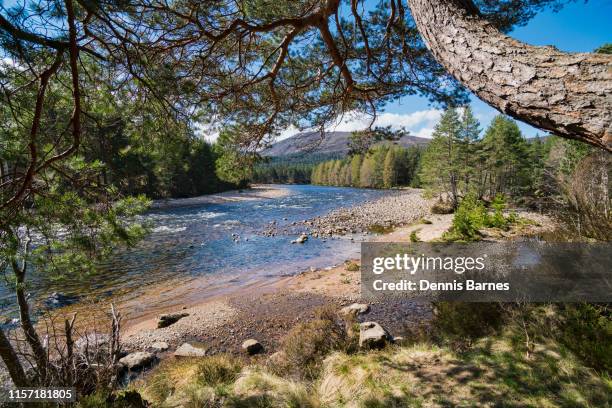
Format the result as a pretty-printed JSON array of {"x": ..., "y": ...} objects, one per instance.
[
  {"x": 356, "y": 170},
  {"x": 366, "y": 173},
  {"x": 468, "y": 138},
  {"x": 441, "y": 162},
  {"x": 506, "y": 158},
  {"x": 390, "y": 169}
]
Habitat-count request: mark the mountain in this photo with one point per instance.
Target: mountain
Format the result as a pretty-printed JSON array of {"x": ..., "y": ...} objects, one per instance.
[{"x": 335, "y": 143}]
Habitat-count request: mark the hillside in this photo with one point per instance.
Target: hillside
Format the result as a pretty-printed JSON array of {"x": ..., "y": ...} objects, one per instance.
[{"x": 335, "y": 143}]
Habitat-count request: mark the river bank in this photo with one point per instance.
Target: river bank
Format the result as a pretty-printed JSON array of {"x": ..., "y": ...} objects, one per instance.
[
  {"x": 219, "y": 315},
  {"x": 266, "y": 310}
]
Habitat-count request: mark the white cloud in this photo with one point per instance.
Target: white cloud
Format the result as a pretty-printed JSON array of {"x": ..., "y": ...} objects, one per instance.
[{"x": 420, "y": 123}]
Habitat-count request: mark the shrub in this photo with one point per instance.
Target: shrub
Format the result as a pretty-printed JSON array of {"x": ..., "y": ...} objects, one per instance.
[
  {"x": 586, "y": 329},
  {"x": 469, "y": 217},
  {"x": 497, "y": 220},
  {"x": 352, "y": 266},
  {"x": 459, "y": 324},
  {"x": 124, "y": 399},
  {"x": 307, "y": 344},
  {"x": 414, "y": 237}
]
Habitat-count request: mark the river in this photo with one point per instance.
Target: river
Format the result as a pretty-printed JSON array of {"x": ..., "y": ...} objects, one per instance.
[{"x": 195, "y": 246}]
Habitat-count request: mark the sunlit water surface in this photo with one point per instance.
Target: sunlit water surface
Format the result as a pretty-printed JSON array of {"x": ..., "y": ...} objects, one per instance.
[{"x": 194, "y": 242}]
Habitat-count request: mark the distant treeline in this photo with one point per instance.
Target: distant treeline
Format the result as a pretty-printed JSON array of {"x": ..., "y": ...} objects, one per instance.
[
  {"x": 382, "y": 166},
  {"x": 290, "y": 169}
]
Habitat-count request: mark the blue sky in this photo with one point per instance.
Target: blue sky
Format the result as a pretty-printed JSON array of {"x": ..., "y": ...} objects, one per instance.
[{"x": 578, "y": 27}]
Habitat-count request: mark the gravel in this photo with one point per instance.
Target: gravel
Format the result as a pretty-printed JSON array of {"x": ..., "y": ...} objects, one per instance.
[{"x": 394, "y": 210}]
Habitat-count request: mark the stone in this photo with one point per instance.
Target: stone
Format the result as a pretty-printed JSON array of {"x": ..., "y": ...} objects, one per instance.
[
  {"x": 137, "y": 360},
  {"x": 355, "y": 309},
  {"x": 252, "y": 346},
  {"x": 159, "y": 346},
  {"x": 189, "y": 350},
  {"x": 372, "y": 336},
  {"x": 301, "y": 239},
  {"x": 58, "y": 299},
  {"x": 166, "y": 320}
]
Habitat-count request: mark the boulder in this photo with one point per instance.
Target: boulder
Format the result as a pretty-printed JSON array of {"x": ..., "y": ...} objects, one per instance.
[
  {"x": 137, "y": 360},
  {"x": 58, "y": 299},
  {"x": 252, "y": 346},
  {"x": 166, "y": 320},
  {"x": 355, "y": 309},
  {"x": 189, "y": 350},
  {"x": 372, "y": 335},
  {"x": 159, "y": 346},
  {"x": 301, "y": 239}
]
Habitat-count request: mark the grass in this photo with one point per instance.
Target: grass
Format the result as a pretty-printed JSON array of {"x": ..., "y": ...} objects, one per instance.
[
  {"x": 517, "y": 356},
  {"x": 191, "y": 379}
]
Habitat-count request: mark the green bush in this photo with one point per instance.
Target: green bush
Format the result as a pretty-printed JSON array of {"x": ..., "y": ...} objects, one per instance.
[
  {"x": 586, "y": 329},
  {"x": 459, "y": 324},
  {"x": 471, "y": 215},
  {"x": 123, "y": 399},
  {"x": 497, "y": 220}
]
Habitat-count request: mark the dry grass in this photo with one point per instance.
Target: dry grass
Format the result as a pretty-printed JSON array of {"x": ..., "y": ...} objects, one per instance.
[
  {"x": 522, "y": 363},
  {"x": 191, "y": 381}
]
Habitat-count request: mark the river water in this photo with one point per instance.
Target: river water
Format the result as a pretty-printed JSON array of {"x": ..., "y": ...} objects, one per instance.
[{"x": 190, "y": 243}]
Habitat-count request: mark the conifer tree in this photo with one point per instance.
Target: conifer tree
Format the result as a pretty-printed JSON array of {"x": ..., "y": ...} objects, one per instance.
[
  {"x": 390, "y": 169},
  {"x": 441, "y": 161}
]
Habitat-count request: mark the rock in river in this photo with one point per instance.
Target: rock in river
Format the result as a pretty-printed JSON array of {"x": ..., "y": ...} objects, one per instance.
[
  {"x": 372, "y": 335},
  {"x": 166, "y": 320},
  {"x": 252, "y": 346},
  {"x": 301, "y": 239}
]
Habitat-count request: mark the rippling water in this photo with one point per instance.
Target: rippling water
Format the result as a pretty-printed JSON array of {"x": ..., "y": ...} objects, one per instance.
[{"x": 188, "y": 243}]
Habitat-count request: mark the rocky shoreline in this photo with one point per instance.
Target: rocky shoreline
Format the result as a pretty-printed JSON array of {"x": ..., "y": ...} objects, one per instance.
[{"x": 397, "y": 209}]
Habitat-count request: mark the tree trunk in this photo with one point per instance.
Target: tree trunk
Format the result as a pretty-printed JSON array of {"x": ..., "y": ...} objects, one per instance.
[
  {"x": 566, "y": 94},
  {"x": 11, "y": 360}
]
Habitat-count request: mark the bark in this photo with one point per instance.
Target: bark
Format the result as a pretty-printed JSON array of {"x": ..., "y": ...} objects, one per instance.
[
  {"x": 31, "y": 336},
  {"x": 565, "y": 93},
  {"x": 11, "y": 360}
]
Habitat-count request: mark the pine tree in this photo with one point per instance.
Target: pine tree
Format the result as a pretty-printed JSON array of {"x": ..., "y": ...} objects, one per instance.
[
  {"x": 390, "y": 169},
  {"x": 441, "y": 162},
  {"x": 506, "y": 153},
  {"x": 468, "y": 136}
]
